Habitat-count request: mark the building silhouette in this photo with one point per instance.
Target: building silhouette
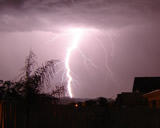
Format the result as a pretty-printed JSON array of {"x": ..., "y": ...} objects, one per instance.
[{"x": 146, "y": 84}]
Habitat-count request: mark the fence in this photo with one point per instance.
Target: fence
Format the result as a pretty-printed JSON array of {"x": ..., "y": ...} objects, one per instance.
[{"x": 45, "y": 115}]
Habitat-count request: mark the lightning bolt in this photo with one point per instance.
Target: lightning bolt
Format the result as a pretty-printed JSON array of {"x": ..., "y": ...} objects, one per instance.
[{"x": 77, "y": 35}]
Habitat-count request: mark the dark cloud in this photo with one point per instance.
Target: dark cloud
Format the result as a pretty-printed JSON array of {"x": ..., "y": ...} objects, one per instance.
[{"x": 27, "y": 15}]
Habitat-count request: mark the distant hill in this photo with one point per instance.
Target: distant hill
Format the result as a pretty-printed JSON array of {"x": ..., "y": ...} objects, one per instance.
[{"x": 68, "y": 100}]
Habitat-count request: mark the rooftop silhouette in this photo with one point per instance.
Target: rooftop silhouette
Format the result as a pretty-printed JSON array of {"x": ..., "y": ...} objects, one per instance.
[{"x": 146, "y": 84}]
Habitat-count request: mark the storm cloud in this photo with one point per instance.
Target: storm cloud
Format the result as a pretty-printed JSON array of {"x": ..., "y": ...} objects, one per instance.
[{"x": 30, "y": 15}]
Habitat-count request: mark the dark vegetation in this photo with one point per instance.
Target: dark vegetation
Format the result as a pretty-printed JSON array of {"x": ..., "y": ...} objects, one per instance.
[{"x": 32, "y": 82}]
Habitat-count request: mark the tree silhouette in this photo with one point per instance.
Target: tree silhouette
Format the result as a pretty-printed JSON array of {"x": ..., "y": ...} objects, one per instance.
[{"x": 32, "y": 81}]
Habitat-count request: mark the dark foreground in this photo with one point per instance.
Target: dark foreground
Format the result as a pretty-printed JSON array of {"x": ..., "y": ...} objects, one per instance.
[{"x": 20, "y": 115}]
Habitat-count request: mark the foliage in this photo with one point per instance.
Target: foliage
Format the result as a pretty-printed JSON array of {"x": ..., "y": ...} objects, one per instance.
[{"x": 32, "y": 80}]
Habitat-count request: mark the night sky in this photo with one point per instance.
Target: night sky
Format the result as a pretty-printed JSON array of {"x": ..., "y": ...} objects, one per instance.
[{"x": 128, "y": 29}]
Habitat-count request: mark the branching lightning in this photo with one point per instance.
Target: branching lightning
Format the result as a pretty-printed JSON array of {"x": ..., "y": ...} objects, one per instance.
[{"x": 76, "y": 34}]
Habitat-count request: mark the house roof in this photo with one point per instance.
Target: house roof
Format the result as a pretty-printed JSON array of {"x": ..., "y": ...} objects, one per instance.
[
  {"x": 146, "y": 84},
  {"x": 153, "y": 93}
]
